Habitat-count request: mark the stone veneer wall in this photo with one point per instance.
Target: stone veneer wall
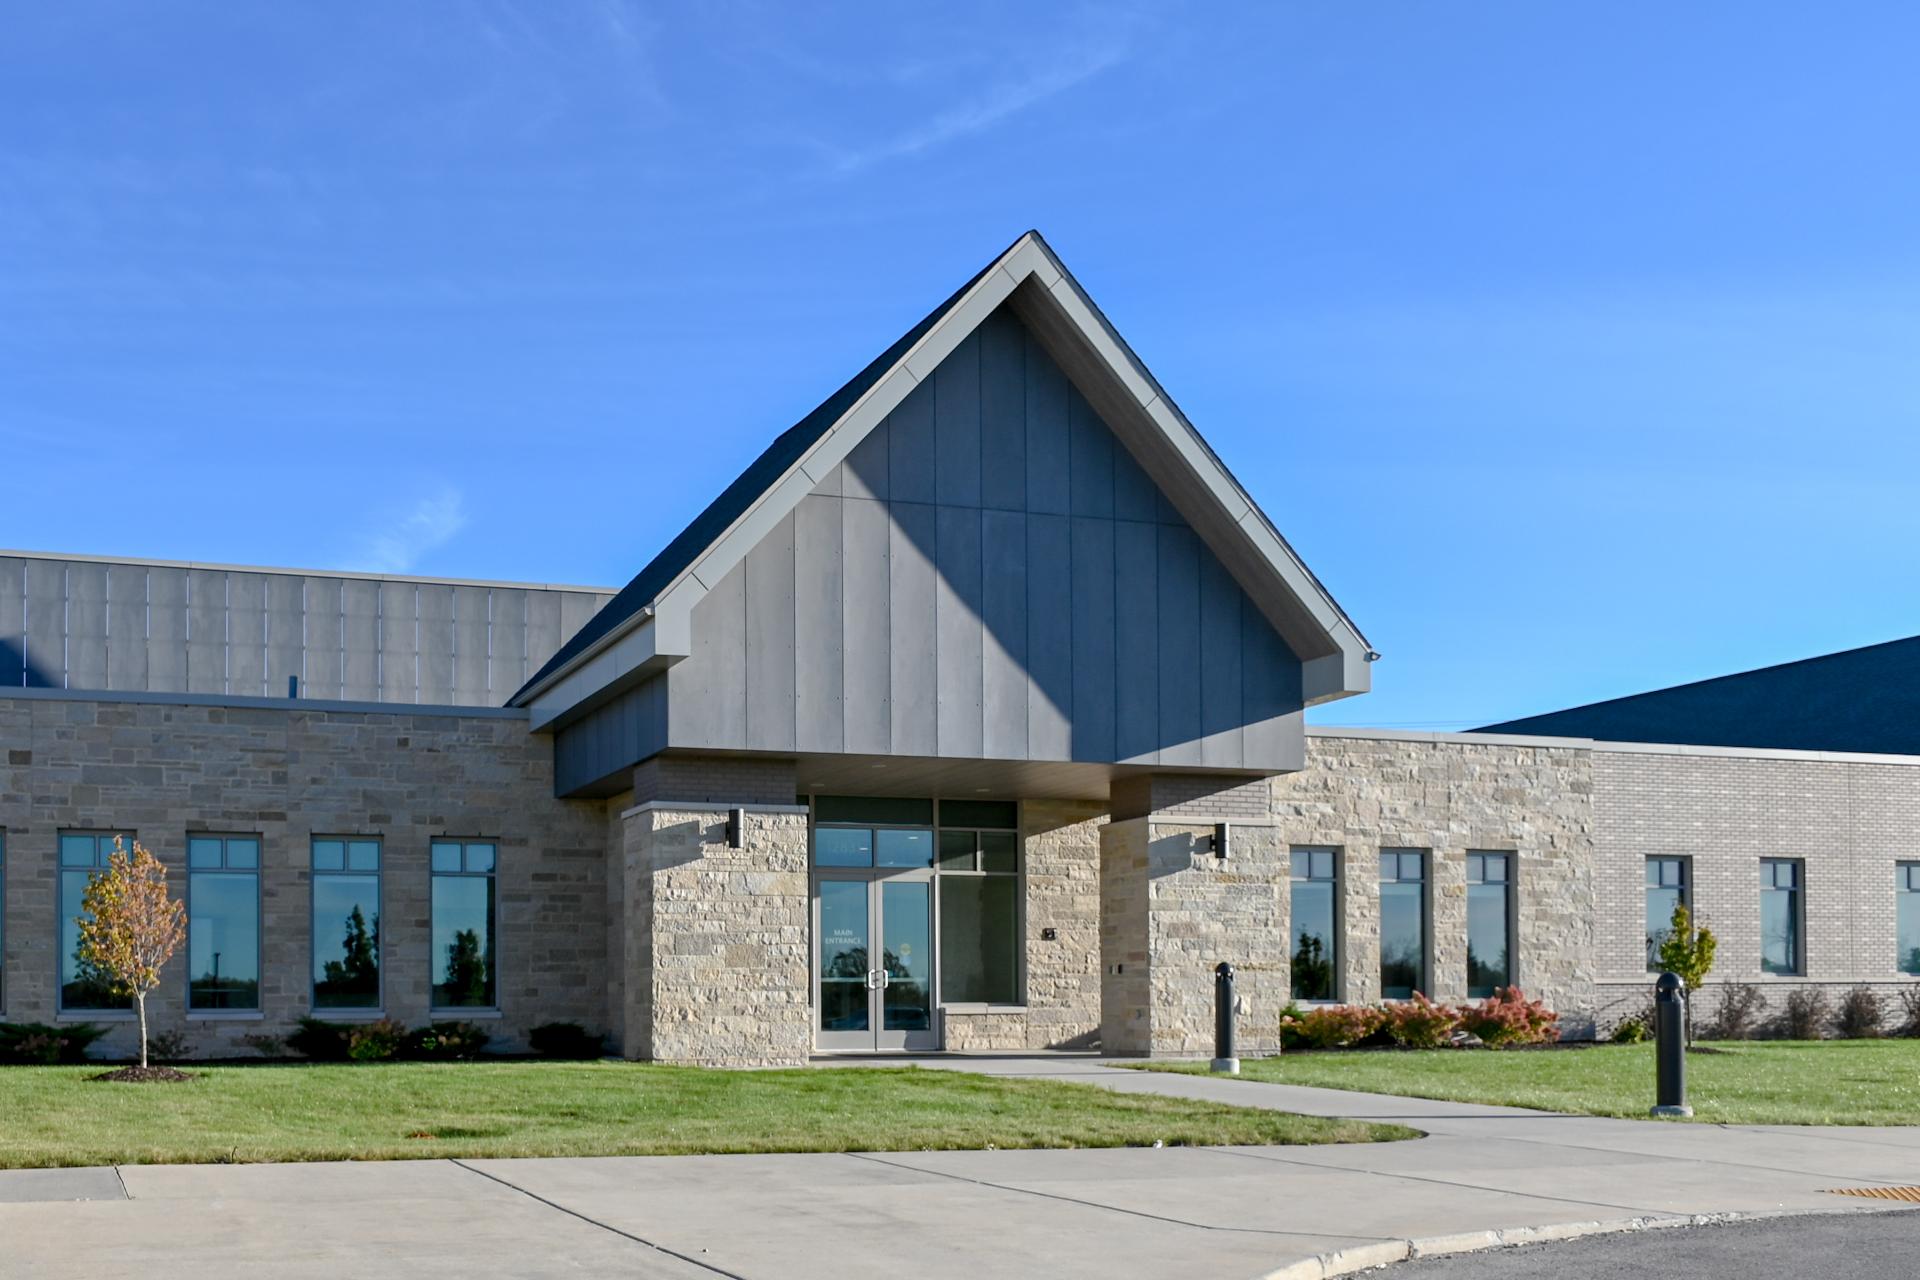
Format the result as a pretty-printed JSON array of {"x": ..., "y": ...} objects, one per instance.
[
  {"x": 287, "y": 773},
  {"x": 1851, "y": 819},
  {"x": 1172, "y": 911},
  {"x": 717, "y": 961}
]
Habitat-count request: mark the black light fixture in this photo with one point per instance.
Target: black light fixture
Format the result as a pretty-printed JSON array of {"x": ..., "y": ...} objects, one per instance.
[
  {"x": 1218, "y": 842},
  {"x": 736, "y": 828}
]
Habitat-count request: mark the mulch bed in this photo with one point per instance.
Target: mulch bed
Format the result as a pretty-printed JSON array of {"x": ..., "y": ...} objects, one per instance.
[{"x": 144, "y": 1075}]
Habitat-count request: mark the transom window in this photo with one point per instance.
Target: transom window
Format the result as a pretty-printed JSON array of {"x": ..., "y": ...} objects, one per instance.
[
  {"x": 464, "y": 914},
  {"x": 223, "y": 922},
  {"x": 1313, "y": 894}
]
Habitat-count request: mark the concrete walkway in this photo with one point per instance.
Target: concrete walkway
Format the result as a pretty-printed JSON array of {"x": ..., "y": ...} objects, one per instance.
[{"x": 1213, "y": 1212}]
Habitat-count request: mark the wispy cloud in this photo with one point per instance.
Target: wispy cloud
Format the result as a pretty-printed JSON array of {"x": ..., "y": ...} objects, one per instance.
[
  {"x": 432, "y": 523},
  {"x": 1008, "y": 98}
]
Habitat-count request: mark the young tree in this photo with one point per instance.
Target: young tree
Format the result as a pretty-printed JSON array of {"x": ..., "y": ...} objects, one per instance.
[
  {"x": 1687, "y": 952},
  {"x": 132, "y": 926}
]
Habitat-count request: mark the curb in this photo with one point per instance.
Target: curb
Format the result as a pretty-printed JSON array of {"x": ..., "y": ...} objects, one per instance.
[{"x": 1365, "y": 1257}]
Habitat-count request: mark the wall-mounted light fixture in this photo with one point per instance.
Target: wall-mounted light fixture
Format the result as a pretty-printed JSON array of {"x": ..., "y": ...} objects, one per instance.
[
  {"x": 736, "y": 828},
  {"x": 1217, "y": 843}
]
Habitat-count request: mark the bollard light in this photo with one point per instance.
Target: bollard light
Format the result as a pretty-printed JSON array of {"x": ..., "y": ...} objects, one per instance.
[
  {"x": 1224, "y": 1059},
  {"x": 1670, "y": 1047}
]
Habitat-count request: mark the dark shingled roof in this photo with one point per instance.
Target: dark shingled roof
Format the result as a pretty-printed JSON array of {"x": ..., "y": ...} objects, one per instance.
[
  {"x": 1858, "y": 700},
  {"x": 760, "y": 475}
]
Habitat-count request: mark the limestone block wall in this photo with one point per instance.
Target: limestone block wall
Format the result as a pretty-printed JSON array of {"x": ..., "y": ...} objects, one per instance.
[
  {"x": 162, "y": 769},
  {"x": 1367, "y": 790},
  {"x": 1851, "y": 819},
  {"x": 717, "y": 969}
]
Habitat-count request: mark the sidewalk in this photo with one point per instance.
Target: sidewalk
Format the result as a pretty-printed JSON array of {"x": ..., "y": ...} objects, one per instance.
[{"x": 1235, "y": 1213}]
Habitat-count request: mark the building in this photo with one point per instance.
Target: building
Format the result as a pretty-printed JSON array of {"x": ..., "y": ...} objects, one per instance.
[{"x": 920, "y": 737}]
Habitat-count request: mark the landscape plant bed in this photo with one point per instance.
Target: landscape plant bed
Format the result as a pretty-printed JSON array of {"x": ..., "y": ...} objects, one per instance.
[
  {"x": 422, "y": 1110},
  {"x": 143, "y": 1075},
  {"x": 1827, "y": 1082}
]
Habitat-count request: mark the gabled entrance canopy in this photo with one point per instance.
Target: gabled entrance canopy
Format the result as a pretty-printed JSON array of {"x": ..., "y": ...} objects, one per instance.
[{"x": 648, "y": 627}]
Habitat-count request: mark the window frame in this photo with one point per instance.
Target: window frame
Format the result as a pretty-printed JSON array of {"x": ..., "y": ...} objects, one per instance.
[
  {"x": 1423, "y": 858},
  {"x": 934, "y": 870},
  {"x": 259, "y": 923},
  {"x": 1510, "y": 884},
  {"x": 1337, "y": 924},
  {"x": 376, "y": 1010},
  {"x": 60, "y": 1011},
  {"x": 1906, "y": 880},
  {"x": 493, "y": 924},
  {"x": 1685, "y": 863},
  {"x": 1797, "y": 916}
]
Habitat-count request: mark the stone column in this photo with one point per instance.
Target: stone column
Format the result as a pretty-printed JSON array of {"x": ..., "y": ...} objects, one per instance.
[
  {"x": 716, "y": 937},
  {"x": 1171, "y": 911}
]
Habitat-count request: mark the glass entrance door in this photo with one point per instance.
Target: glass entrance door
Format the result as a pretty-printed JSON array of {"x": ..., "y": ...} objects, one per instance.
[{"x": 874, "y": 961}]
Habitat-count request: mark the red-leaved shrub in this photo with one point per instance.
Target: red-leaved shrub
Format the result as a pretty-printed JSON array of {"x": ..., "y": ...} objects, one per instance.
[
  {"x": 1419, "y": 1023},
  {"x": 1332, "y": 1026},
  {"x": 1508, "y": 1017}
]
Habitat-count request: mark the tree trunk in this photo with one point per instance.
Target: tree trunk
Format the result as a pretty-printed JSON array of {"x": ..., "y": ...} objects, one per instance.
[{"x": 140, "y": 1002}]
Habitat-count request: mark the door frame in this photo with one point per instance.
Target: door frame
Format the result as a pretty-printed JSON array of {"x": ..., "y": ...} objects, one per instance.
[{"x": 876, "y": 1038}]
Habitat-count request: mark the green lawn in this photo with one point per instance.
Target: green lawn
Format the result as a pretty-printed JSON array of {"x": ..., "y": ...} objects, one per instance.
[
  {"x": 57, "y": 1116},
  {"x": 1748, "y": 1082}
]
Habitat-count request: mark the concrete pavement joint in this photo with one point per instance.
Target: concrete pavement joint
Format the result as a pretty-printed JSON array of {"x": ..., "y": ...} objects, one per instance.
[
  {"x": 122, "y": 1180},
  {"x": 1095, "y": 1204},
  {"x": 575, "y": 1213}
]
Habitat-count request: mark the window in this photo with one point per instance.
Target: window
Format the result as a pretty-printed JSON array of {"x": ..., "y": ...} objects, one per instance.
[
  {"x": 1403, "y": 923},
  {"x": 83, "y": 988},
  {"x": 979, "y": 913},
  {"x": 1666, "y": 889},
  {"x": 346, "y": 923},
  {"x": 1314, "y": 888},
  {"x": 463, "y": 922},
  {"x": 1906, "y": 886},
  {"x": 223, "y": 922},
  {"x": 1489, "y": 923},
  {"x": 1780, "y": 916}
]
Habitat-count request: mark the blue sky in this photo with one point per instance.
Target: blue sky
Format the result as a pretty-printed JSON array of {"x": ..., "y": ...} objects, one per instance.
[{"x": 1577, "y": 351}]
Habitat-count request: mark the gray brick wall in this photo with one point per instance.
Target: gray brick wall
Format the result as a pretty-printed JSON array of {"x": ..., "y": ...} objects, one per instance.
[{"x": 728, "y": 780}]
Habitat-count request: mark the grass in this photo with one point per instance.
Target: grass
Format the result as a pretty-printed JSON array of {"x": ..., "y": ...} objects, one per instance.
[
  {"x": 396, "y": 1111},
  {"x": 1832, "y": 1082}
]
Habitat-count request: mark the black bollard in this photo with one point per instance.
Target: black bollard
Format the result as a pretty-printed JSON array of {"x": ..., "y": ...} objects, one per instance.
[
  {"x": 1224, "y": 1058},
  {"x": 1670, "y": 1047}
]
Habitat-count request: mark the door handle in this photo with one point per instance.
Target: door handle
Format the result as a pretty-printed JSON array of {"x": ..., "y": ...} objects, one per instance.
[
  {"x": 885, "y": 978},
  {"x": 873, "y": 979}
]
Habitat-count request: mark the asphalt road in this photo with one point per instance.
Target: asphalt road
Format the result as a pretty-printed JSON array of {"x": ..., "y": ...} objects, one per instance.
[{"x": 1868, "y": 1246}]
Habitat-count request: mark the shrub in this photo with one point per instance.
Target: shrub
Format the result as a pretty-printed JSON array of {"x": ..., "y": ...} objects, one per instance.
[
  {"x": 447, "y": 1041},
  {"x": 1859, "y": 1015},
  {"x": 1632, "y": 1029},
  {"x": 170, "y": 1046},
  {"x": 1508, "y": 1017},
  {"x": 1334, "y": 1026},
  {"x": 320, "y": 1040},
  {"x": 1805, "y": 1015},
  {"x": 1419, "y": 1023},
  {"x": 1737, "y": 1016},
  {"x": 37, "y": 1044},
  {"x": 1910, "y": 1010},
  {"x": 375, "y": 1041},
  {"x": 566, "y": 1040},
  {"x": 265, "y": 1045}
]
